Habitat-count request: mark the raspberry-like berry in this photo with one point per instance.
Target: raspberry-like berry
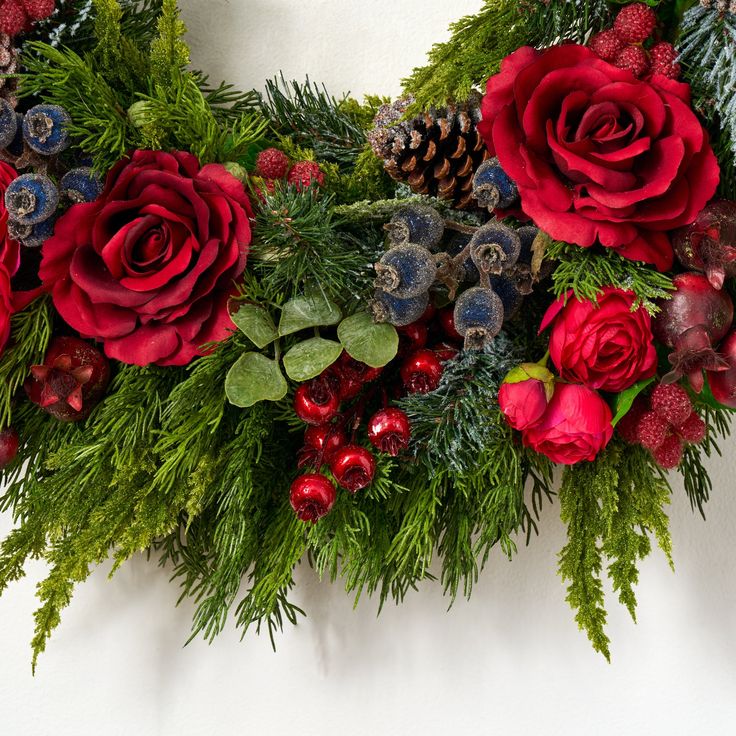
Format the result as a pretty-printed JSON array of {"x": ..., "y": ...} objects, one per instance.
[
  {"x": 669, "y": 453},
  {"x": 12, "y": 17},
  {"x": 303, "y": 173},
  {"x": 628, "y": 426},
  {"x": 606, "y": 44},
  {"x": 663, "y": 57},
  {"x": 272, "y": 164},
  {"x": 633, "y": 59},
  {"x": 671, "y": 404},
  {"x": 38, "y": 9},
  {"x": 693, "y": 430},
  {"x": 651, "y": 431},
  {"x": 635, "y": 23}
]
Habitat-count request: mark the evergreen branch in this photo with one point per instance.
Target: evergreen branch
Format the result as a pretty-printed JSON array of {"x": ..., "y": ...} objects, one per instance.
[
  {"x": 169, "y": 53},
  {"x": 553, "y": 22}
]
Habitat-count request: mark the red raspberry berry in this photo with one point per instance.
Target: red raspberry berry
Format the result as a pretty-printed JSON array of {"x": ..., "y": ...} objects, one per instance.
[
  {"x": 635, "y": 23},
  {"x": 38, "y": 9},
  {"x": 651, "y": 431},
  {"x": 663, "y": 58},
  {"x": 12, "y": 17},
  {"x": 671, "y": 404},
  {"x": 669, "y": 453},
  {"x": 606, "y": 44},
  {"x": 633, "y": 59},
  {"x": 303, "y": 173},
  {"x": 629, "y": 424},
  {"x": 693, "y": 430},
  {"x": 272, "y": 164}
]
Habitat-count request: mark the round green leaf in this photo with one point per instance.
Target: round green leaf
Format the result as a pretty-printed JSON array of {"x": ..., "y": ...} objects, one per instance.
[
  {"x": 370, "y": 343},
  {"x": 309, "y": 358},
  {"x": 308, "y": 311},
  {"x": 256, "y": 323},
  {"x": 254, "y": 378}
]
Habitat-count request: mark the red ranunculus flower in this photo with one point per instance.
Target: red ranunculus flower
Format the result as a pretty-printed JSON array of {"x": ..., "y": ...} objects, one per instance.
[
  {"x": 575, "y": 427},
  {"x": 149, "y": 266},
  {"x": 604, "y": 346},
  {"x": 524, "y": 395},
  {"x": 598, "y": 155}
]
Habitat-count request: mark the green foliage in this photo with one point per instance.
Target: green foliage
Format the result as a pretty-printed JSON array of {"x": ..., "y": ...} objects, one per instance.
[
  {"x": 555, "y": 21},
  {"x": 169, "y": 53},
  {"x": 611, "y": 507}
]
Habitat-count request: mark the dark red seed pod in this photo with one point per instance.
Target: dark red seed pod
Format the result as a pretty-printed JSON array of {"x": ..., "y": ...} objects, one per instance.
[
  {"x": 322, "y": 441},
  {"x": 389, "y": 431},
  {"x": 316, "y": 402},
  {"x": 421, "y": 372},
  {"x": 312, "y": 496},
  {"x": 353, "y": 467}
]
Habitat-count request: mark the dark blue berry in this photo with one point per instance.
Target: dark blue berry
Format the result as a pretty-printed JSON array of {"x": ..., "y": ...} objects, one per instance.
[
  {"x": 398, "y": 312},
  {"x": 478, "y": 316},
  {"x": 495, "y": 248},
  {"x": 406, "y": 271},
  {"x": 31, "y": 198},
  {"x": 492, "y": 186},
  {"x": 8, "y": 123},
  {"x": 527, "y": 234},
  {"x": 510, "y": 296},
  {"x": 81, "y": 185},
  {"x": 39, "y": 233},
  {"x": 456, "y": 245},
  {"x": 15, "y": 147},
  {"x": 418, "y": 224},
  {"x": 45, "y": 129}
]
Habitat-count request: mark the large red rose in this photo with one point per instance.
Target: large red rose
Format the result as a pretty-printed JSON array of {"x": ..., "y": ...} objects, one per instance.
[
  {"x": 605, "y": 346},
  {"x": 598, "y": 155},
  {"x": 149, "y": 266}
]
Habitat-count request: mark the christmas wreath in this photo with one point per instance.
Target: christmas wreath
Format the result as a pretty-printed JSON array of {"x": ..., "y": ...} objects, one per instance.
[{"x": 244, "y": 330}]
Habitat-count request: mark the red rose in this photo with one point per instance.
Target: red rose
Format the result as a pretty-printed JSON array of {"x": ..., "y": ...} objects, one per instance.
[
  {"x": 598, "y": 155},
  {"x": 149, "y": 266},
  {"x": 524, "y": 395},
  {"x": 575, "y": 427},
  {"x": 604, "y": 346}
]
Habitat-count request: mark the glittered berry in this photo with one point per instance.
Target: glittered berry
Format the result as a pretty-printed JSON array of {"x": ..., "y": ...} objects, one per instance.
[
  {"x": 13, "y": 17},
  {"x": 671, "y": 403},
  {"x": 35, "y": 235},
  {"x": 38, "y": 9},
  {"x": 406, "y": 271},
  {"x": 398, "y": 312},
  {"x": 389, "y": 431},
  {"x": 312, "y": 496},
  {"x": 8, "y": 123},
  {"x": 45, "y": 129},
  {"x": 495, "y": 248},
  {"x": 15, "y": 147},
  {"x": 272, "y": 164},
  {"x": 635, "y": 23},
  {"x": 509, "y": 294},
  {"x": 651, "y": 430},
  {"x": 418, "y": 224},
  {"x": 353, "y": 467},
  {"x": 669, "y": 454},
  {"x": 8, "y": 447},
  {"x": 304, "y": 173},
  {"x": 606, "y": 45},
  {"x": 80, "y": 185},
  {"x": 31, "y": 198},
  {"x": 319, "y": 443},
  {"x": 421, "y": 372},
  {"x": 478, "y": 316},
  {"x": 316, "y": 402},
  {"x": 628, "y": 426},
  {"x": 527, "y": 235},
  {"x": 693, "y": 430},
  {"x": 492, "y": 186},
  {"x": 663, "y": 58},
  {"x": 633, "y": 59}
]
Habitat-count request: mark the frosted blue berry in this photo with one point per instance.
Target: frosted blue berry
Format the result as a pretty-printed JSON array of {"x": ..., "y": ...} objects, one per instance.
[
  {"x": 418, "y": 224},
  {"x": 456, "y": 245},
  {"x": 45, "y": 129},
  {"x": 478, "y": 316},
  {"x": 398, "y": 312},
  {"x": 492, "y": 186},
  {"x": 81, "y": 185},
  {"x": 495, "y": 248},
  {"x": 31, "y": 198},
  {"x": 15, "y": 147},
  {"x": 527, "y": 234},
  {"x": 406, "y": 271},
  {"x": 39, "y": 234},
  {"x": 509, "y": 294},
  {"x": 8, "y": 123}
]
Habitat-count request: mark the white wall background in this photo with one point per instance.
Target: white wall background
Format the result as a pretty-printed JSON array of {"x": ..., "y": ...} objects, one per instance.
[{"x": 511, "y": 661}]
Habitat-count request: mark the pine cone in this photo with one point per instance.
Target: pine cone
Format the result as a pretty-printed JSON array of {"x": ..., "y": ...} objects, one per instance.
[
  {"x": 722, "y": 6},
  {"x": 8, "y": 65},
  {"x": 436, "y": 153}
]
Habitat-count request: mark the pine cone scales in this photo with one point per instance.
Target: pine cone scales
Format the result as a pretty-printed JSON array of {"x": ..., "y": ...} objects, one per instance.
[
  {"x": 8, "y": 66},
  {"x": 435, "y": 153}
]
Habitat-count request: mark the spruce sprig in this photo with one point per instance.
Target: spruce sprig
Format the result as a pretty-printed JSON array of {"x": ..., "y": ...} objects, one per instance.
[{"x": 550, "y": 23}]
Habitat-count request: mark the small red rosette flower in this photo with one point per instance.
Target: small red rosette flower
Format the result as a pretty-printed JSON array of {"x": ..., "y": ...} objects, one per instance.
[
  {"x": 524, "y": 395},
  {"x": 599, "y": 156},
  {"x": 606, "y": 346},
  {"x": 576, "y": 426},
  {"x": 147, "y": 268}
]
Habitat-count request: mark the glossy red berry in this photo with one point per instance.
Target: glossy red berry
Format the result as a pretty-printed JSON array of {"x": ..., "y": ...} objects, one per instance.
[
  {"x": 413, "y": 337},
  {"x": 389, "y": 431},
  {"x": 447, "y": 322},
  {"x": 8, "y": 446},
  {"x": 312, "y": 496},
  {"x": 272, "y": 164},
  {"x": 635, "y": 23},
  {"x": 319, "y": 443},
  {"x": 352, "y": 376},
  {"x": 353, "y": 467},
  {"x": 429, "y": 313},
  {"x": 317, "y": 402},
  {"x": 421, "y": 372},
  {"x": 446, "y": 351}
]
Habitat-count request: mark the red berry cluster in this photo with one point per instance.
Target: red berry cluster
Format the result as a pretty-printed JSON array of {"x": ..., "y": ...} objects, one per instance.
[
  {"x": 274, "y": 165},
  {"x": 663, "y": 424},
  {"x": 623, "y": 47},
  {"x": 17, "y": 16}
]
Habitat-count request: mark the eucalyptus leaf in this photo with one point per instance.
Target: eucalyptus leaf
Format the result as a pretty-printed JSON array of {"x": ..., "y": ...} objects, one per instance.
[
  {"x": 309, "y": 358},
  {"x": 368, "y": 342},
  {"x": 625, "y": 400},
  {"x": 256, "y": 323},
  {"x": 304, "y": 312},
  {"x": 254, "y": 378}
]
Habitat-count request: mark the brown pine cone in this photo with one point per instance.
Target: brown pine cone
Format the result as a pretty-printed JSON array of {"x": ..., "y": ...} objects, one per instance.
[{"x": 8, "y": 65}]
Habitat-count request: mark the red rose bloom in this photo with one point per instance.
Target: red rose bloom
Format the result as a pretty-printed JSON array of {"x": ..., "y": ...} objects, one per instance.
[
  {"x": 575, "y": 427},
  {"x": 149, "y": 266},
  {"x": 604, "y": 346},
  {"x": 598, "y": 155},
  {"x": 524, "y": 395}
]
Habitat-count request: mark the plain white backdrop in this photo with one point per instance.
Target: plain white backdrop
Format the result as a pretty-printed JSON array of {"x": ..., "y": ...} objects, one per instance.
[{"x": 510, "y": 661}]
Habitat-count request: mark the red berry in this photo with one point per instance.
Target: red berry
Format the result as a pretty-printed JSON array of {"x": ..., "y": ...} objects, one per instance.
[
  {"x": 429, "y": 313},
  {"x": 312, "y": 496},
  {"x": 663, "y": 58},
  {"x": 651, "y": 431},
  {"x": 38, "y": 9},
  {"x": 671, "y": 403},
  {"x": 8, "y": 447},
  {"x": 12, "y": 18},
  {"x": 413, "y": 337},
  {"x": 606, "y": 45},
  {"x": 389, "y": 431},
  {"x": 629, "y": 424},
  {"x": 447, "y": 321},
  {"x": 693, "y": 430},
  {"x": 316, "y": 402},
  {"x": 633, "y": 59},
  {"x": 445, "y": 351},
  {"x": 272, "y": 164},
  {"x": 319, "y": 443},
  {"x": 353, "y": 467},
  {"x": 669, "y": 453},
  {"x": 303, "y": 173},
  {"x": 353, "y": 375},
  {"x": 421, "y": 372},
  {"x": 635, "y": 23}
]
